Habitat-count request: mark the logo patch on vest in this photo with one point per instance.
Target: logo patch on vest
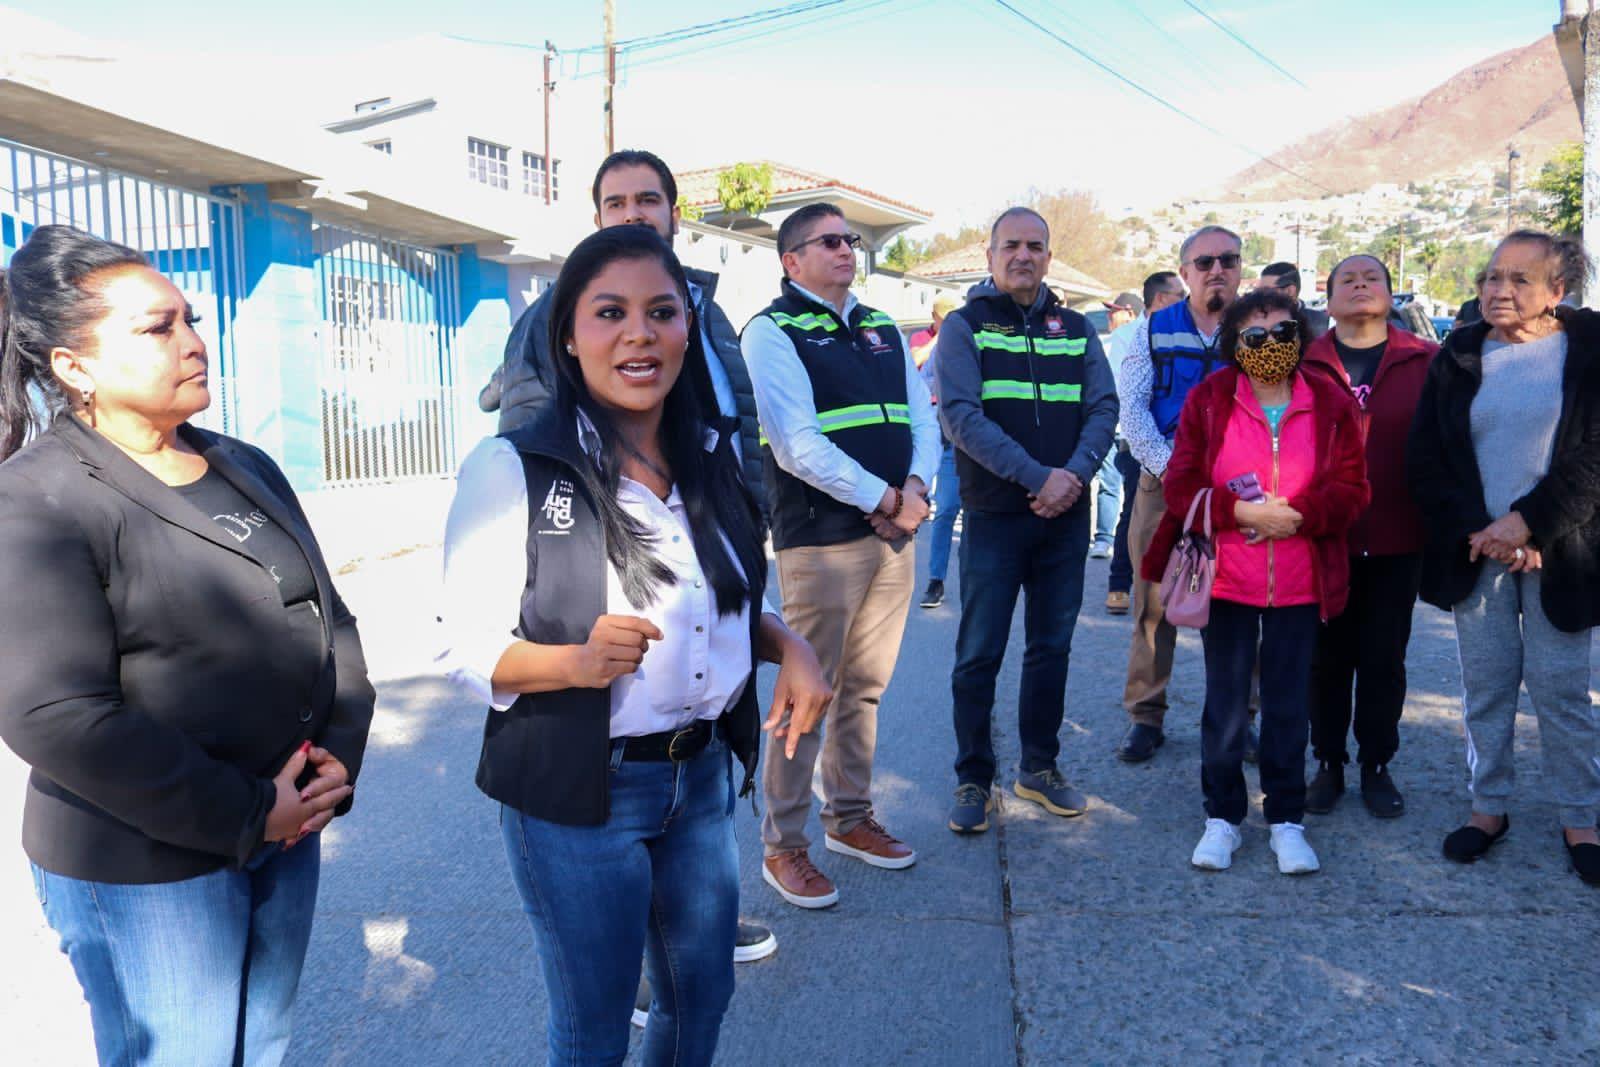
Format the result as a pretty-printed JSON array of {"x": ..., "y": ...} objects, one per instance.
[
  {"x": 1053, "y": 325},
  {"x": 557, "y": 507},
  {"x": 872, "y": 338}
]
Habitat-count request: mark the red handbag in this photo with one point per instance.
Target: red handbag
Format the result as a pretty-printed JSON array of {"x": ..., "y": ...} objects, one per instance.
[{"x": 1191, "y": 568}]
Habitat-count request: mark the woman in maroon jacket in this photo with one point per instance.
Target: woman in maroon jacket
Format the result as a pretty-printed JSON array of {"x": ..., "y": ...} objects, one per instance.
[
  {"x": 1383, "y": 368},
  {"x": 1282, "y": 562}
]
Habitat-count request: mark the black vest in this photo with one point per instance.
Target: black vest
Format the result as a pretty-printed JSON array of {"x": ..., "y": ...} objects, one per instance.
[
  {"x": 547, "y": 755},
  {"x": 1032, "y": 365},
  {"x": 858, "y": 379}
]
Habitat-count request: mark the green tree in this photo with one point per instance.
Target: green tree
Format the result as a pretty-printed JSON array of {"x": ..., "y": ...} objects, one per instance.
[
  {"x": 692, "y": 212},
  {"x": 745, "y": 188},
  {"x": 901, "y": 255},
  {"x": 1428, "y": 255},
  {"x": 1257, "y": 248},
  {"x": 1560, "y": 183}
]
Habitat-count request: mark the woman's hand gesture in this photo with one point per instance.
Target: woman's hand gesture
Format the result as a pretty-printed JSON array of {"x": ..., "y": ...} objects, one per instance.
[
  {"x": 616, "y": 646},
  {"x": 1272, "y": 520},
  {"x": 294, "y": 810}
]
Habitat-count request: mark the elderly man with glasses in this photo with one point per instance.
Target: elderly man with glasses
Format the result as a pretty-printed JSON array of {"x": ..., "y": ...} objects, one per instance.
[
  {"x": 1177, "y": 349},
  {"x": 850, "y": 444}
]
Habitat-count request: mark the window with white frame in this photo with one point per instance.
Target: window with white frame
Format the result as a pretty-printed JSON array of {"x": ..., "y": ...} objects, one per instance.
[
  {"x": 385, "y": 146},
  {"x": 489, "y": 163},
  {"x": 533, "y": 175}
]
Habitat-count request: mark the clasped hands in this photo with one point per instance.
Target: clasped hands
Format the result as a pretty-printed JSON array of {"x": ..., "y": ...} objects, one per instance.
[
  {"x": 298, "y": 811},
  {"x": 1061, "y": 490},
  {"x": 1505, "y": 540},
  {"x": 913, "y": 511},
  {"x": 1266, "y": 520}
]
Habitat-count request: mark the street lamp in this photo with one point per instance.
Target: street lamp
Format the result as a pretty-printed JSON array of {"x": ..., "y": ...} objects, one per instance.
[{"x": 1511, "y": 186}]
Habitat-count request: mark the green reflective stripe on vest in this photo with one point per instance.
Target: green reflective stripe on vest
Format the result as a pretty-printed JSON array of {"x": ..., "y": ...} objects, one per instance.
[
  {"x": 874, "y": 319},
  {"x": 1060, "y": 346},
  {"x": 851, "y": 417},
  {"x": 1000, "y": 341},
  {"x": 810, "y": 320},
  {"x": 899, "y": 413},
  {"x": 1008, "y": 390},
  {"x": 1013, "y": 390}
]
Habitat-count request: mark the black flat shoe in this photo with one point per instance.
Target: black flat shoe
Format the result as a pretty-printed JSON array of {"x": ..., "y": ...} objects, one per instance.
[
  {"x": 1469, "y": 843},
  {"x": 1325, "y": 789},
  {"x": 1585, "y": 860},
  {"x": 1140, "y": 743},
  {"x": 1379, "y": 794}
]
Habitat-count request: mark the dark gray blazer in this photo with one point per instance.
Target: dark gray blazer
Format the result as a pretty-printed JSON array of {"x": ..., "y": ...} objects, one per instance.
[{"x": 151, "y": 678}]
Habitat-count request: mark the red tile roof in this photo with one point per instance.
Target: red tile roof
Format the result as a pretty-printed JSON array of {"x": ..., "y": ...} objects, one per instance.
[
  {"x": 972, "y": 261},
  {"x": 699, "y": 187}
]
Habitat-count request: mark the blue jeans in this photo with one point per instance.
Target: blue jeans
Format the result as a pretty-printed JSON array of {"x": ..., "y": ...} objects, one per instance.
[
  {"x": 1120, "y": 579},
  {"x": 1003, "y": 553},
  {"x": 202, "y": 971},
  {"x": 946, "y": 509},
  {"x": 660, "y": 879},
  {"x": 1108, "y": 500}
]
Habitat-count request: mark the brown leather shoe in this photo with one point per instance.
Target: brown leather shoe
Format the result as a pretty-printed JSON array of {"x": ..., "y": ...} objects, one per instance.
[
  {"x": 1116, "y": 603},
  {"x": 870, "y": 843},
  {"x": 798, "y": 881}
]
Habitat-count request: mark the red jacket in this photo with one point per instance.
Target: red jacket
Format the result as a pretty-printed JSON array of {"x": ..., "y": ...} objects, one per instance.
[
  {"x": 1335, "y": 495},
  {"x": 1392, "y": 524}
]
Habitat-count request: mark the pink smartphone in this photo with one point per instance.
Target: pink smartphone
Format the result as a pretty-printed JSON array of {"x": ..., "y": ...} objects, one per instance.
[{"x": 1247, "y": 487}]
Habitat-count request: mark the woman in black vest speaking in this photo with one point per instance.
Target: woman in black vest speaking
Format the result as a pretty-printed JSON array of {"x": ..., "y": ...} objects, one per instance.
[{"x": 604, "y": 570}]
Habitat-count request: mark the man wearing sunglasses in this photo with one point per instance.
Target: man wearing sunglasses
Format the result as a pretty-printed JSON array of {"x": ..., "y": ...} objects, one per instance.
[
  {"x": 1027, "y": 397},
  {"x": 1175, "y": 351},
  {"x": 850, "y": 445}
]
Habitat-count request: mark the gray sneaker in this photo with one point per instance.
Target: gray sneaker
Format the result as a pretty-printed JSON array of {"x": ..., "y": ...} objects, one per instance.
[
  {"x": 970, "y": 815},
  {"x": 1050, "y": 790}
]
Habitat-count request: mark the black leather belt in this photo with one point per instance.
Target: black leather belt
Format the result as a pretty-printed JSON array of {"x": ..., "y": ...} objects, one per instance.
[{"x": 676, "y": 746}]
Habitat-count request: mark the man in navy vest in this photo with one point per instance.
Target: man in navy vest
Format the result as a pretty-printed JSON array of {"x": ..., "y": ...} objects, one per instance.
[
  {"x": 1027, "y": 397},
  {"x": 850, "y": 444},
  {"x": 1167, "y": 359}
]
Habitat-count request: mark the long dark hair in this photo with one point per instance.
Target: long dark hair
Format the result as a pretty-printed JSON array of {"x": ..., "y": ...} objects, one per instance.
[
  {"x": 46, "y": 302},
  {"x": 1258, "y": 302},
  {"x": 718, "y": 502}
]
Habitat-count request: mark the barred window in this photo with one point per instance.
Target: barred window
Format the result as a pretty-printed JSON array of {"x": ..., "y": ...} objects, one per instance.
[
  {"x": 533, "y": 176},
  {"x": 488, "y": 163}
]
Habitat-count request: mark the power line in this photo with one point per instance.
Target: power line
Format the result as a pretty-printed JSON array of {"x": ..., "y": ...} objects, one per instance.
[
  {"x": 1140, "y": 89},
  {"x": 1268, "y": 60},
  {"x": 723, "y": 25}
]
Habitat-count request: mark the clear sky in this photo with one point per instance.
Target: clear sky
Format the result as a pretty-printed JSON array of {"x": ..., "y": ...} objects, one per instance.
[{"x": 956, "y": 105}]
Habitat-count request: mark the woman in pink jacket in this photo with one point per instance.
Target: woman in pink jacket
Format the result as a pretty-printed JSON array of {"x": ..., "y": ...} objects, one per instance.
[{"x": 1282, "y": 453}]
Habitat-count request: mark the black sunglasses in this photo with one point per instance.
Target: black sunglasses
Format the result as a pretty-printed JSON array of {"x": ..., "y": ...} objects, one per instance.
[
  {"x": 1229, "y": 261},
  {"x": 832, "y": 241},
  {"x": 1256, "y": 336}
]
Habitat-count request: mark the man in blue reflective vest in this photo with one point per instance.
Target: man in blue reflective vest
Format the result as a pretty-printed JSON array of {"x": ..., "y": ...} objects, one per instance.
[{"x": 1027, "y": 397}]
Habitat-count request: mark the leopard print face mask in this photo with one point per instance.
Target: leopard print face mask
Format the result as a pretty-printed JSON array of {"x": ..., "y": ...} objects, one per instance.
[{"x": 1272, "y": 362}]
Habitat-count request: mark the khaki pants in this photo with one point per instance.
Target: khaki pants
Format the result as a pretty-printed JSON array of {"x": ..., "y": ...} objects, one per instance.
[
  {"x": 850, "y": 602},
  {"x": 1144, "y": 697}
]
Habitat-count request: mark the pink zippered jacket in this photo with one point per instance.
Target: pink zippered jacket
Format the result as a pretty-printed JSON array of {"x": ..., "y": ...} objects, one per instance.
[
  {"x": 1329, "y": 488},
  {"x": 1272, "y": 573}
]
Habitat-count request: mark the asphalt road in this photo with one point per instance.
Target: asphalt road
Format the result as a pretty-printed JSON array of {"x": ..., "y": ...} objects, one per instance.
[{"x": 1044, "y": 941}]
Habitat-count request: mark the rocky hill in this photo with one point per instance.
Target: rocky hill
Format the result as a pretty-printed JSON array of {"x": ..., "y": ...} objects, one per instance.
[{"x": 1518, "y": 98}]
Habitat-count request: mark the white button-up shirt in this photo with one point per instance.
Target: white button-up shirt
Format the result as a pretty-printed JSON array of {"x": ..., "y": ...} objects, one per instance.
[{"x": 696, "y": 671}]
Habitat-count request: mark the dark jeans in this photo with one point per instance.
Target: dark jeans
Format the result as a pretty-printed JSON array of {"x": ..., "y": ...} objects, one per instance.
[
  {"x": 1365, "y": 646},
  {"x": 1287, "y": 638},
  {"x": 1121, "y": 580},
  {"x": 660, "y": 879},
  {"x": 201, "y": 971},
  {"x": 1003, "y": 553}
]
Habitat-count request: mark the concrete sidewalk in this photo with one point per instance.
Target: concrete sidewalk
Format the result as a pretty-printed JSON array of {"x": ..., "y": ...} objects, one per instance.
[{"x": 1044, "y": 941}]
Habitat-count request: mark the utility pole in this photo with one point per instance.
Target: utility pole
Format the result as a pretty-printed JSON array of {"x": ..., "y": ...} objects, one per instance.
[
  {"x": 1400, "y": 275},
  {"x": 549, "y": 87},
  {"x": 1591, "y": 150},
  {"x": 1511, "y": 188},
  {"x": 611, "y": 75}
]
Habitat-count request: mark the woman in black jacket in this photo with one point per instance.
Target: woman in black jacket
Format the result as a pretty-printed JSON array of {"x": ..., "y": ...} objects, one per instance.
[
  {"x": 180, "y": 674},
  {"x": 604, "y": 569},
  {"x": 1504, "y": 461}
]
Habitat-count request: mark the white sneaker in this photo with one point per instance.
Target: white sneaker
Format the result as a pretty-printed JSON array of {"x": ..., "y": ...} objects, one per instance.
[
  {"x": 1217, "y": 846},
  {"x": 1295, "y": 855}
]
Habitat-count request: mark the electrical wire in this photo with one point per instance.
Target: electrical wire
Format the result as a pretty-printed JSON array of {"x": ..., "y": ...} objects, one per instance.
[
  {"x": 1225, "y": 28},
  {"x": 715, "y": 26},
  {"x": 1141, "y": 90}
]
